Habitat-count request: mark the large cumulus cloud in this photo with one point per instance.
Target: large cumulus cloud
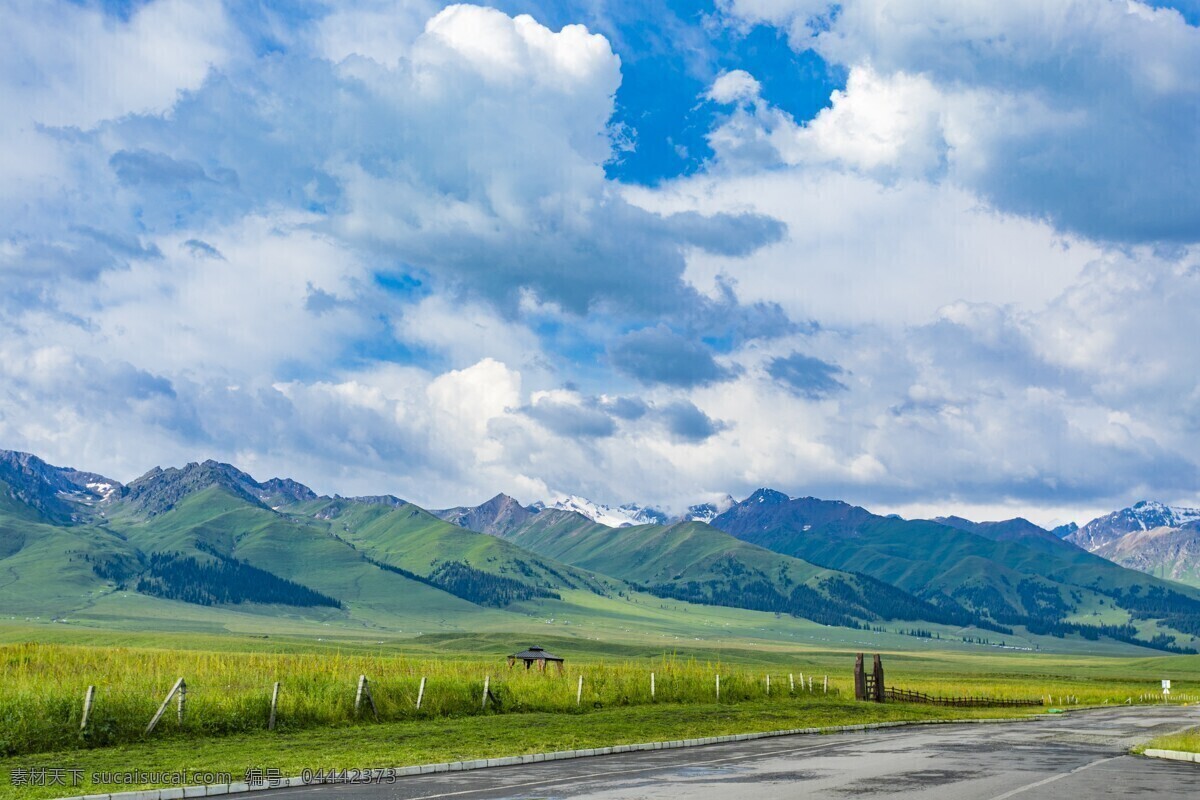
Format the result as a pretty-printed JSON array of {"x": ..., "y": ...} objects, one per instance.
[
  {"x": 1081, "y": 111},
  {"x": 382, "y": 254}
]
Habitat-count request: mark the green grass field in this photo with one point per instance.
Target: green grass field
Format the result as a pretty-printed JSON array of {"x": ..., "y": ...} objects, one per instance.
[
  {"x": 1188, "y": 741},
  {"x": 382, "y": 745},
  {"x": 229, "y": 680}
]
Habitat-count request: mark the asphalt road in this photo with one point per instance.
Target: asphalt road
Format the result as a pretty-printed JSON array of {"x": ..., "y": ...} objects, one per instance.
[{"x": 1078, "y": 755}]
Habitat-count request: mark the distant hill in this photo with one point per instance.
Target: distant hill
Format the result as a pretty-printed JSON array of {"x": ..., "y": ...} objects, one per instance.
[
  {"x": 1063, "y": 531},
  {"x": 1143, "y": 516},
  {"x": 1009, "y": 530},
  {"x": 498, "y": 516},
  {"x": 208, "y": 534},
  {"x": 30, "y": 486},
  {"x": 1154, "y": 538},
  {"x": 695, "y": 562},
  {"x": 159, "y": 490},
  {"x": 1010, "y": 574},
  {"x": 206, "y": 543}
]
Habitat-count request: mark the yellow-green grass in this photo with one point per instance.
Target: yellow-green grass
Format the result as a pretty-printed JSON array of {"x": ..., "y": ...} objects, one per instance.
[
  {"x": 1187, "y": 741},
  {"x": 228, "y": 690},
  {"x": 41, "y": 696},
  {"x": 392, "y": 744}
]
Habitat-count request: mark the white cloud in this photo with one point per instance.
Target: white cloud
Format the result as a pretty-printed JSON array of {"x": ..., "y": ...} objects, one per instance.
[
  {"x": 241, "y": 315},
  {"x": 1072, "y": 111},
  {"x": 881, "y": 123},
  {"x": 381, "y": 30},
  {"x": 69, "y": 65},
  {"x": 236, "y": 258},
  {"x": 734, "y": 86},
  {"x": 860, "y": 251},
  {"x": 466, "y": 332}
]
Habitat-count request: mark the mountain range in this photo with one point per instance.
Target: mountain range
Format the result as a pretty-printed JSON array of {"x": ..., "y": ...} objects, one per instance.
[
  {"x": 206, "y": 543},
  {"x": 1151, "y": 537}
]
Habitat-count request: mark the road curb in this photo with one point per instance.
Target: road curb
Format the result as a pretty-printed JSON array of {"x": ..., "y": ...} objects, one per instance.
[
  {"x": 220, "y": 789},
  {"x": 1172, "y": 755}
]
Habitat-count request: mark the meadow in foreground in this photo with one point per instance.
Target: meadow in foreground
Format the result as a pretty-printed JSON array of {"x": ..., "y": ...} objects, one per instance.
[{"x": 229, "y": 680}]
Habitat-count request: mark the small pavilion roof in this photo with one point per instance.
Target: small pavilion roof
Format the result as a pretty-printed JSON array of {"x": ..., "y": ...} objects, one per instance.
[{"x": 536, "y": 654}]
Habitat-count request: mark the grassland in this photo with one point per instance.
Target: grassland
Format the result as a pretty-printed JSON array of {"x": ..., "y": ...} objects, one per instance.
[
  {"x": 369, "y": 745},
  {"x": 1187, "y": 741},
  {"x": 229, "y": 680},
  {"x": 40, "y": 700}
]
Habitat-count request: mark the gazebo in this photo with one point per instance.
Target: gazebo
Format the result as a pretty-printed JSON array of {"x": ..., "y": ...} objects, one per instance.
[{"x": 535, "y": 655}]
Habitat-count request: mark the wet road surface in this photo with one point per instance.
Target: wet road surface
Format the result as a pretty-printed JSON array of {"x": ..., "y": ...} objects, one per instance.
[{"x": 1079, "y": 755}]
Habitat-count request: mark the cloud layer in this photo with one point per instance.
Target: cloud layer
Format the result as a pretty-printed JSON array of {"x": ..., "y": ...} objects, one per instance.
[{"x": 380, "y": 249}]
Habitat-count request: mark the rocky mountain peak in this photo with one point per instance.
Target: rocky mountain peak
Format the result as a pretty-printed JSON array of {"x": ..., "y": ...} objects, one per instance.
[
  {"x": 767, "y": 496},
  {"x": 707, "y": 512},
  {"x": 498, "y": 516},
  {"x": 623, "y": 516},
  {"x": 1141, "y": 516},
  {"x": 59, "y": 494},
  {"x": 159, "y": 490}
]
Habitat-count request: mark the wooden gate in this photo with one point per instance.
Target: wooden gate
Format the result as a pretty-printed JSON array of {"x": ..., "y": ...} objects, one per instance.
[{"x": 868, "y": 686}]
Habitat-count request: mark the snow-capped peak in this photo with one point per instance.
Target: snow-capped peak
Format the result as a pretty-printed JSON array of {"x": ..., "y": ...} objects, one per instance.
[
  {"x": 102, "y": 489},
  {"x": 707, "y": 512},
  {"x": 1150, "y": 514},
  {"x": 1143, "y": 516},
  {"x": 619, "y": 517}
]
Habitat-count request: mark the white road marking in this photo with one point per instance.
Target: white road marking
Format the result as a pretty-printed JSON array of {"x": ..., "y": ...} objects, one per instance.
[{"x": 1053, "y": 778}]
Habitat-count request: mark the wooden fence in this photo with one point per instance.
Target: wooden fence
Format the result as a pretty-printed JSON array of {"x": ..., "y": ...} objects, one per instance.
[
  {"x": 906, "y": 696},
  {"x": 869, "y": 686}
]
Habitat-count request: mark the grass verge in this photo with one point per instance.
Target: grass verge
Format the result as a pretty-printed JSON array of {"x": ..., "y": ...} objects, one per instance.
[
  {"x": 425, "y": 741},
  {"x": 1188, "y": 741}
]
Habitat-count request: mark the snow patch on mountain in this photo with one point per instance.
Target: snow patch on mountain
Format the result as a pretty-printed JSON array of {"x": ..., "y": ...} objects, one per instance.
[
  {"x": 707, "y": 512},
  {"x": 622, "y": 516},
  {"x": 103, "y": 490},
  {"x": 1143, "y": 516}
]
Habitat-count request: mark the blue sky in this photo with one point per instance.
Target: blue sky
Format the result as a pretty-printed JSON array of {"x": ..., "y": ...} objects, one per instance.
[{"x": 923, "y": 256}]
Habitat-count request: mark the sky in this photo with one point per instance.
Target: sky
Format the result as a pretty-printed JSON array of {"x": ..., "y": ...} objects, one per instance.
[{"x": 925, "y": 256}]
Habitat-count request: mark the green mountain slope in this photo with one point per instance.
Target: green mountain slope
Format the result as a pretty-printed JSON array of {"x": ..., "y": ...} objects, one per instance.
[
  {"x": 201, "y": 547},
  {"x": 698, "y": 563},
  {"x": 482, "y": 568},
  {"x": 208, "y": 548},
  {"x": 1169, "y": 553},
  {"x": 211, "y": 524},
  {"x": 1032, "y": 581},
  {"x": 49, "y": 571}
]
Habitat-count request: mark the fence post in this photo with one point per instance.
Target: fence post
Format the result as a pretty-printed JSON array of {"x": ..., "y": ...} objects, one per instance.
[
  {"x": 651, "y": 685},
  {"x": 420, "y": 694},
  {"x": 162, "y": 709},
  {"x": 860, "y": 678},
  {"x": 878, "y": 679},
  {"x": 88, "y": 697},
  {"x": 487, "y": 679},
  {"x": 364, "y": 690},
  {"x": 718, "y": 687},
  {"x": 825, "y": 686},
  {"x": 579, "y": 690},
  {"x": 274, "y": 704},
  {"x": 768, "y": 684},
  {"x": 181, "y": 702},
  {"x": 791, "y": 683},
  {"x": 810, "y": 684}
]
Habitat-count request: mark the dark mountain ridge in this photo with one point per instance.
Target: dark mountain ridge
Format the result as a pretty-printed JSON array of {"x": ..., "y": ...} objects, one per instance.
[
  {"x": 1010, "y": 573},
  {"x": 498, "y": 516},
  {"x": 198, "y": 532},
  {"x": 53, "y": 493},
  {"x": 159, "y": 490}
]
